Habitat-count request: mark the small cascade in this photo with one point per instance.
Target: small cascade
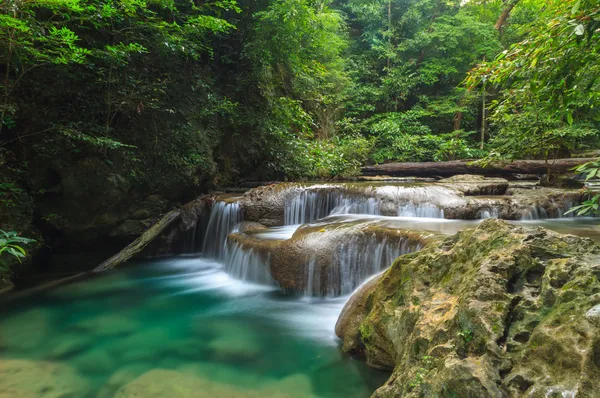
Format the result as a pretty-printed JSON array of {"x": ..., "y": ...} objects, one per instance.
[
  {"x": 492, "y": 212},
  {"x": 353, "y": 263},
  {"x": 310, "y": 206},
  {"x": 247, "y": 265},
  {"x": 567, "y": 206},
  {"x": 357, "y": 206},
  {"x": 424, "y": 211},
  {"x": 534, "y": 213},
  {"x": 224, "y": 218}
]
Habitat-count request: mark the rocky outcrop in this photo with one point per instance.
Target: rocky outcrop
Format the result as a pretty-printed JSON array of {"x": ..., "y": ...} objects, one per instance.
[
  {"x": 499, "y": 311},
  {"x": 460, "y": 197}
]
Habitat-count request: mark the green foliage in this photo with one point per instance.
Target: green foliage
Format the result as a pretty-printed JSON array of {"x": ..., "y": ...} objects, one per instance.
[
  {"x": 466, "y": 334},
  {"x": 338, "y": 157},
  {"x": 404, "y": 137},
  {"x": 591, "y": 206},
  {"x": 548, "y": 83},
  {"x": 427, "y": 363},
  {"x": 11, "y": 244}
]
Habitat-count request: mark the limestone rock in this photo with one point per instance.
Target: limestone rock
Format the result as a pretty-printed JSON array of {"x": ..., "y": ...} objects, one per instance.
[
  {"x": 499, "y": 311},
  {"x": 472, "y": 185},
  {"x": 33, "y": 379},
  {"x": 173, "y": 384}
]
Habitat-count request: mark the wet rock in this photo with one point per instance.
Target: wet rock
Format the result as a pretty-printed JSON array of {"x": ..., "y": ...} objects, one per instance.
[
  {"x": 25, "y": 331},
  {"x": 174, "y": 384},
  {"x": 120, "y": 378},
  {"x": 131, "y": 228},
  {"x": 249, "y": 226},
  {"x": 472, "y": 185},
  {"x": 140, "y": 214},
  {"x": 499, "y": 311},
  {"x": 97, "y": 361},
  {"x": 266, "y": 204},
  {"x": 33, "y": 379},
  {"x": 327, "y": 259},
  {"x": 459, "y": 197},
  {"x": 108, "y": 325},
  {"x": 69, "y": 345},
  {"x": 234, "y": 347}
]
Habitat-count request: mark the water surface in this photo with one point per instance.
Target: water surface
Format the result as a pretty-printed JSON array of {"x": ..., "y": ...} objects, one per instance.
[{"x": 186, "y": 315}]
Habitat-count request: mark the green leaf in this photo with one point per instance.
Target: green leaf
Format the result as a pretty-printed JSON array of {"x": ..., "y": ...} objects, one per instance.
[{"x": 576, "y": 7}]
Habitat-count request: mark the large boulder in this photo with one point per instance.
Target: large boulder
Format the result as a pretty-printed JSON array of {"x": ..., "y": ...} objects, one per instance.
[{"x": 499, "y": 311}]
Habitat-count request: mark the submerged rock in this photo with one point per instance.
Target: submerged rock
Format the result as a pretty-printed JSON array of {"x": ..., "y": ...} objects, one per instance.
[
  {"x": 33, "y": 379},
  {"x": 174, "y": 384},
  {"x": 499, "y": 311},
  {"x": 26, "y": 331}
]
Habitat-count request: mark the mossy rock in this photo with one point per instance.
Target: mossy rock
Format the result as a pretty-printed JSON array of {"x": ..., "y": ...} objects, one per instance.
[{"x": 499, "y": 311}]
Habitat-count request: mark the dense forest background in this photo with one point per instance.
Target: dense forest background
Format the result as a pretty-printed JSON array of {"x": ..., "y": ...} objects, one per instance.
[{"x": 113, "y": 110}]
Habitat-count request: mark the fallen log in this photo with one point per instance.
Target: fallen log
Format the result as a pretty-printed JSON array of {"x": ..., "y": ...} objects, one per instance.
[
  {"x": 456, "y": 167},
  {"x": 141, "y": 242}
]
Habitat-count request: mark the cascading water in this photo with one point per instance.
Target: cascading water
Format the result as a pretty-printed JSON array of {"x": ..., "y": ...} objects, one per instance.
[
  {"x": 224, "y": 218},
  {"x": 423, "y": 211},
  {"x": 310, "y": 206},
  {"x": 313, "y": 204},
  {"x": 247, "y": 265},
  {"x": 354, "y": 262},
  {"x": 492, "y": 212}
]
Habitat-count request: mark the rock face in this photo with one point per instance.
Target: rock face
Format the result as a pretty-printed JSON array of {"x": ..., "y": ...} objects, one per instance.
[{"x": 500, "y": 311}]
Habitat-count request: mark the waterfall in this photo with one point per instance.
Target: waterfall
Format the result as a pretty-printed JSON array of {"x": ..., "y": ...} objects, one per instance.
[
  {"x": 424, "y": 211},
  {"x": 224, "y": 218},
  {"x": 246, "y": 264},
  {"x": 492, "y": 212},
  {"x": 311, "y": 205},
  {"x": 354, "y": 262},
  {"x": 534, "y": 213}
]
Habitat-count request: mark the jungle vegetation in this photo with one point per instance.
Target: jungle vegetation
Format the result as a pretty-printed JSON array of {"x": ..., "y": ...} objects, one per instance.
[{"x": 194, "y": 91}]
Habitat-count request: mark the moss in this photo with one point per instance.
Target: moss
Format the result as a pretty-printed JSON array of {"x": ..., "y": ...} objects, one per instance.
[{"x": 366, "y": 331}]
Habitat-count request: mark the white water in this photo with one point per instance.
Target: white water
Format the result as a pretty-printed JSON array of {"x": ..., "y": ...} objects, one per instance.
[
  {"x": 244, "y": 264},
  {"x": 355, "y": 261},
  {"x": 224, "y": 219},
  {"x": 492, "y": 212},
  {"x": 310, "y": 206},
  {"x": 313, "y": 204}
]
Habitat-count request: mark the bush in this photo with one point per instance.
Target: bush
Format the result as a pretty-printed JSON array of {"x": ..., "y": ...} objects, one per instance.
[{"x": 298, "y": 158}]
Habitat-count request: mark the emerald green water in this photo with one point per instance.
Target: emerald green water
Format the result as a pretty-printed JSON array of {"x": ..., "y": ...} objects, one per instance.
[{"x": 183, "y": 315}]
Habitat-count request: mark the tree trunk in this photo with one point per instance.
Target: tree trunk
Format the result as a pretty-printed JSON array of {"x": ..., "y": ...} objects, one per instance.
[
  {"x": 456, "y": 167},
  {"x": 483, "y": 116},
  {"x": 509, "y": 5},
  {"x": 140, "y": 243}
]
